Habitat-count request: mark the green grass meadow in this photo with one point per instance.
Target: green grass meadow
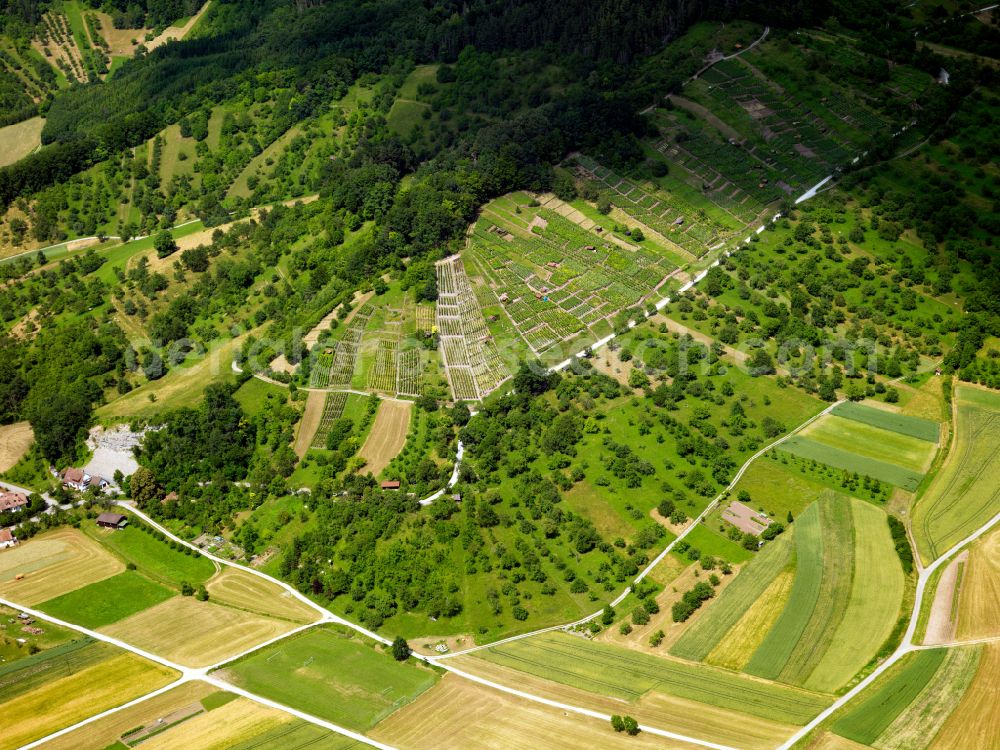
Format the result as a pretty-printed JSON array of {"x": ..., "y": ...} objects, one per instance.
[
  {"x": 922, "y": 429},
  {"x": 872, "y": 442},
  {"x": 331, "y": 674},
  {"x": 155, "y": 559},
  {"x": 107, "y": 601},
  {"x": 849, "y": 461}
]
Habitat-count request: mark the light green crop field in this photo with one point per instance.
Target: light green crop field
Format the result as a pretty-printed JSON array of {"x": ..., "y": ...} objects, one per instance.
[
  {"x": 328, "y": 673},
  {"x": 777, "y": 647},
  {"x": 625, "y": 674},
  {"x": 879, "y": 706},
  {"x": 298, "y": 735},
  {"x": 965, "y": 493},
  {"x": 921, "y": 721},
  {"x": 871, "y": 442},
  {"x": 850, "y": 461},
  {"x": 871, "y": 611},
  {"x": 107, "y": 601},
  {"x": 723, "y": 612},
  {"x": 924, "y": 429},
  {"x": 153, "y": 558}
]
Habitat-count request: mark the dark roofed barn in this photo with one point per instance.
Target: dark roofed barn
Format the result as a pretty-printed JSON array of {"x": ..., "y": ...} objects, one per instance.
[{"x": 112, "y": 520}]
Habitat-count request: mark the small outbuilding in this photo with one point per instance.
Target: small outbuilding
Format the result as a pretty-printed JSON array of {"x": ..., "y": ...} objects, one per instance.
[
  {"x": 392, "y": 484},
  {"x": 7, "y": 539},
  {"x": 112, "y": 520}
]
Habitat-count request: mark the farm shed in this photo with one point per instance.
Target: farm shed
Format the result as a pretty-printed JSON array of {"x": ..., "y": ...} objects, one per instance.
[
  {"x": 745, "y": 518},
  {"x": 390, "y": 485},
  {"x": 12, "y": 501},
  {"x": 7, "y": 539},
  {"x": 112, "y": 520}
]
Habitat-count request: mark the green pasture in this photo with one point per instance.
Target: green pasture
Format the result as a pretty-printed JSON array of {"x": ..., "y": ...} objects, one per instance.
[
  {"x": 711, "y": 542},
  {"x": 852, "y": 462},
  {"x": 107, "y": 601},
  {"x": 965, "y": 493},
  {"x": 155, "y": 559},
  {"x": 923, "y": 429},
  {"x": 626, "y": 674},
  {"x": 871, "y": 442},
  {"x": 329, "y": 673},
  {"x": 252, "y": 395}
]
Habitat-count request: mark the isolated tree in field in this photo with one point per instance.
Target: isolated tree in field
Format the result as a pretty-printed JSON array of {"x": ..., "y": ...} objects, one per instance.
[
  {"x": 617, "y": 723},
  {"x": 202, "y": 595},
  {"x": 164, "y": 244},
  {"x": 631, "y": 726},
  {"x": 400, "y": 649},
  {"x": 608, "y": 615},
  {"x": 187, "y": 589}
]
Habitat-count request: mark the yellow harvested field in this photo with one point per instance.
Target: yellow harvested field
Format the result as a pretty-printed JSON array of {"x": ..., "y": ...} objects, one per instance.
[
  {"x": 63, "y": 702},
  {"x": 460, "y": 714},
  {"x": 941, "y": 623},
  {"x": 388, "y": 435},
  {"x": 975, "y": 724},
  {"x": 237, "y": 721},
  {"x": 831, "y": 741},
  {"x": 979, "y": 597},
  {"x": 657, "y": 709},
  {"x": 20, "y": 139},
  {"x": 106, "y": 731},
  {"x": 53, "y": 564},
  {"x": 739, "y": 644},
  {"x": 196, "y": 634},
  {"x": 243, "y": 590},
  {"x": 15, "y": 439},
  {"x": 310, "y": 422}
]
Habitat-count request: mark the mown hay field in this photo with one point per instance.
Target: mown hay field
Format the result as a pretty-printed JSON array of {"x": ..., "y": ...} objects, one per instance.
[
  {"x": 745, "y": 637},
  {"x": 105, "y": 732},
  {"x": 388, "y": 435},
  {"x": 656, "y": 708},
  {"x": 64, "y": 701},
  {"x": 459, "y": 715},
  {"x": 107, "y": 601},
  {"x": 866, "y": 718},
  {"x": 628, "y": 675},
  {"x": 329, "y": 673},
  {"x": 15, "y": 440},
  {"x": 917, "y": 427},
  {"x": 237, "y": 721},
  {"x": 975, "y": 722},
  {"x": 965, "y": 493},
  {"x": 52, "y": 564},
  {"x": 979, "y": 596},
  {"x": 194, "y": 633},
  {"x": 298, "y": 734},
  {"x": 243, "y": 590},
  {"x": 20, "y": 139}
]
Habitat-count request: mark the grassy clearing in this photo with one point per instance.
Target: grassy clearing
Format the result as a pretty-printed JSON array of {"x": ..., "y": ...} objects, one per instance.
[
  {"x": 329, "y": 673},
  {"x": 867, "y": 719},
  {"x": 924, "y": 717},
  {"x": 66, "y": 700},
  {"x": 107, "y": 601},
  {"x": 106, "y": 731},
  {"x": 778, "y": 489},
  {"x": 194, "y": 633},
  {"x": 876, "y": 594},
  {"x": 611, "y": 671},
  {"x": 53, "y": 564},
  {"x": 979, "y": 598},
  {"x": 20, "y": 139},
  {"x": 153, "y": 558},
  {"x": 848, "y": 460},
  {"x": 777, "y": 647},
  {"x": 711, "y": 542},
  {"x": 965, "y": 492},
  {"x": 975, "y": 722},
  {"x": 254, "y": 393},
  {"x": 440, "y": 720},
  {"x": 387, "y": 436},
  {"x": 872, "y": 442},
  {"x": 724, "y": 613},
  {"x": 922, "y": 429},
  {"x": 243, "y": 590}
]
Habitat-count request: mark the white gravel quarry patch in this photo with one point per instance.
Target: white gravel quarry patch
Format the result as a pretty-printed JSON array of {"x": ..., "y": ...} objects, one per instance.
[{"x": 112, "y": 450}]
